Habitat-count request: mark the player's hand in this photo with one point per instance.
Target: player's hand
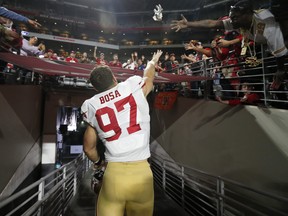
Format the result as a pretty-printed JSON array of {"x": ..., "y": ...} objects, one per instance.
[
  {"x": 179, "y": 24},
  {"x": 156, "y": 56},
  {"x": 34, "y": 23},
  {"x": 100, "y": 165}
]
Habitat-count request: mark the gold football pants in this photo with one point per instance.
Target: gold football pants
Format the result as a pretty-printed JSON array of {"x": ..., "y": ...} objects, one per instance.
[{"x": 127, "y": 187}]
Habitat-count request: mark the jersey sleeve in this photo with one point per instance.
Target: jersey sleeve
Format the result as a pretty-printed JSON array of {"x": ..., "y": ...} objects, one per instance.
[
  {"x": 12, "y": 15},
  {"x": 86, "y": 111},
  {"x": 272, "y": 32},
  {"x": 136, "y": 82},
  {"x": 274, "y": 37}
]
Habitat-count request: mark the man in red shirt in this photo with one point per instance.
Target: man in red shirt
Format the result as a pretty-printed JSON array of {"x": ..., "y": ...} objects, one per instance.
[
  {"x": 72, "y": 58},
  {"x": 100, "y": 61},
  {"x": 115, "y": 62},
  {"x": 249, "y": 97}
]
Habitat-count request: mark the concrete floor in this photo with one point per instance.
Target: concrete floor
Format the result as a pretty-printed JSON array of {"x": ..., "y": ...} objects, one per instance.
[{"x": 83, "y": 204}]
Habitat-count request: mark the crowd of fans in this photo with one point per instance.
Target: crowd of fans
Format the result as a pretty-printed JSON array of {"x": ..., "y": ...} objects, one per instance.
[{"x": 229, "y": 60}]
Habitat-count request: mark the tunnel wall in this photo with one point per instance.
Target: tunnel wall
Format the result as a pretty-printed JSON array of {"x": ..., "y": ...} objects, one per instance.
[
  {"x": 248, "y": 144},
  {"x": 20, "y": 134}
]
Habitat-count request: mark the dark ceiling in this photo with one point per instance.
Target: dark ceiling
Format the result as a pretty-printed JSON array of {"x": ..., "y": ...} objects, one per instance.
[{"x": 142, "y": 5}]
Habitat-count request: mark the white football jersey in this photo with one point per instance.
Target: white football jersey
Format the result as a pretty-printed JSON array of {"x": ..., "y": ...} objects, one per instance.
[{"x": 121, "y": 118}]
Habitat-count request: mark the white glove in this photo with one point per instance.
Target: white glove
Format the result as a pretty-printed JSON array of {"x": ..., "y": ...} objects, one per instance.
[{"x": 158, "y": 13}]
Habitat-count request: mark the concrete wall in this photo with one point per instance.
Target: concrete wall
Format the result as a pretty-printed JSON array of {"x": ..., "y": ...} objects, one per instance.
[
  {"x": 20, "y": 133},
  {"x": 243, "y": 143},
  {"x": 24, "y": 111}
]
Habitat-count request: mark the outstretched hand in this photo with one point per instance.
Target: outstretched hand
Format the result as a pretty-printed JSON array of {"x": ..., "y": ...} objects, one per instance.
[
  {"x": 179, "y": 24},
  {"x": 156, "y": 56},
  {"x": 34, "y": 23},
  {"x": 189, "y": 46}
]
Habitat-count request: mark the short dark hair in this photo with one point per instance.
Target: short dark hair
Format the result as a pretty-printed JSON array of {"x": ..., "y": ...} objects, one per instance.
[{"x": 101, "y": 78}]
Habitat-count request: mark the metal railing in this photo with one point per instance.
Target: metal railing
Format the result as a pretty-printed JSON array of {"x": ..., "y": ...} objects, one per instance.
[
  {"x": 51, "y": 194},
  {"x": 200, "y": 193},
  {"x": 197, "y": 192},
  {"x": 229, "y": 77}
]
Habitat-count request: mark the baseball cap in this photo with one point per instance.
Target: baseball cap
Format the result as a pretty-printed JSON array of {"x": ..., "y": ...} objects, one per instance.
[{"x": 243, "y": 5}]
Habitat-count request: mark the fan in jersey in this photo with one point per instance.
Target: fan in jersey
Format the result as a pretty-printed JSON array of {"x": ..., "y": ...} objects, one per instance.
[
  {"x": 259, "y": 26},
  {"x": 119, "y": 115}
]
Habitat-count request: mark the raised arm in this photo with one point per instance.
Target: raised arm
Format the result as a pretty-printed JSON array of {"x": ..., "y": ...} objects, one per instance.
[
  {"x": 191, "y": 46},
  {"x": 17, "y": 17},
  {"x": 95, "y": 52},
  {"x": 149, "y": 73},
  {"x": 90, "y": 142},
  {"x": 183, "y": 23}
]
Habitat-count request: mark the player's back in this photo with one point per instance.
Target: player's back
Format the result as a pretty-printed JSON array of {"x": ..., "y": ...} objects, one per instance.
[{"x": 121, "y": 118}]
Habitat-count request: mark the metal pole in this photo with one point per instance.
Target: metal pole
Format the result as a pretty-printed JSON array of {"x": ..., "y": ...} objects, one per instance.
[
  {"x": 183, "y": 187},
  {"x": 75, "y": 182},
  {"x": 64, "y": 188},
  {"x": 206, "y": 83},
  {"x": 164, "y": 177},
  {"x": 220, "y": 202},
  {"x": 263, "y": 76},
  {"x": 41, "y": 188},
  {"x": 32, "y": 76}
]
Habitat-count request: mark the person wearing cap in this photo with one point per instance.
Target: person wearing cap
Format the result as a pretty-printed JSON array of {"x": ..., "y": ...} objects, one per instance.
[
  {"x": 50, "y": 56},
  {"x": 101, "y": 60},
  {"x": 174, "y": 63},
  {"x": 259, "y": 26},
  {"x": 72, "y": 57}
]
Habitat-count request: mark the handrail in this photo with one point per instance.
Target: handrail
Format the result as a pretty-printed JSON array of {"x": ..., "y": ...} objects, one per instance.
[
  {"x": 191, "y": 176},
  {"x": 224, "y": 179},
  {"x": 70, "y": 172},
  {"x": 15, "y": 196}
]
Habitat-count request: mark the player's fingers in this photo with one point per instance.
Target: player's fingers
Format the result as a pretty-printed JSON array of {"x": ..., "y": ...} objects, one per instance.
[
  {"x": 173, "y": 22},
  {"x": 174, "y": 27},
  {"x": 183, "y": 17}
]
